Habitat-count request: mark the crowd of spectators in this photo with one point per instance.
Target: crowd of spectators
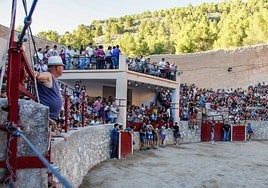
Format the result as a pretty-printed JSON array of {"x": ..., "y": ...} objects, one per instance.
[
  {"x": 97, "y": 110},
  {"x": 240, "y": 104},
  {"x": 90, "y": 57},
  {"x": 93, "y": 57},
  {"x": 162, "y": 69}
]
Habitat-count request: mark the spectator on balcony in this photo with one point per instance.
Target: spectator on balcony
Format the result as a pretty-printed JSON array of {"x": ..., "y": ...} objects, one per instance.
[
  {"x": 54, "y": 51},
  {"x": 115, "y": 56},
  {"x": 83, "y": 62},
  {"x": 75, "y": 57},
  {"x": 90, "y": 52},
  {"x": 100, "y": 54},
  {"x": 172, "y": 71},
  {"x": 108, "y": 58},
  {"x": 68, "y": 57},
  {"x": 63, "y": 56},
  {"x": 162, "y": 67}
]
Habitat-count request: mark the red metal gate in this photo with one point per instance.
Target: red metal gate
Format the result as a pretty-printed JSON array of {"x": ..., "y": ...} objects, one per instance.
[
  {"x": 205, "y": 131},
  {"x": 125, "y": 146},
  {"x": 238, "y": 133}
]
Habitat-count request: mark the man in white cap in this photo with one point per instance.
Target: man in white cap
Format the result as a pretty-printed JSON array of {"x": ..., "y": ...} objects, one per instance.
[
  {"x": 48, "y": 88},
  {"x": 49, "y": 94}
]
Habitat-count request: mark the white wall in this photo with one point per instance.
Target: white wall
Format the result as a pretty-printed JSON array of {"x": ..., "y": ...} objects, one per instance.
[{"x": 143, "y": 96}]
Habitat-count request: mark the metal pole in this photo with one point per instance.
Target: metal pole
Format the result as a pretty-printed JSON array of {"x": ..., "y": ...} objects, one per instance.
[{"x": 65, "y": 183}]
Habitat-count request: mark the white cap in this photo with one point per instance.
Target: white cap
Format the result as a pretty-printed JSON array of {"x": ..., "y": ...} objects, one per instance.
[{"x": 55, "y": 60}]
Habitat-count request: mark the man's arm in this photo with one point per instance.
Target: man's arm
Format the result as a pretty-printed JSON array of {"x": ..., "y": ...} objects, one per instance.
[{"x": 45, "y": 78}]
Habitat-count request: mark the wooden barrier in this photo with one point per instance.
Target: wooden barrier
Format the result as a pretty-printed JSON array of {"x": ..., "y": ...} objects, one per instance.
[
  {"x": 125, "y": 146},
  {"x": 238, "y": 133}
]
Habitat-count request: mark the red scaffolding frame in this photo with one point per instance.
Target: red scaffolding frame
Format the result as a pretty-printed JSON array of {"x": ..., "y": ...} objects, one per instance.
[{"x": 17, "y": 71}]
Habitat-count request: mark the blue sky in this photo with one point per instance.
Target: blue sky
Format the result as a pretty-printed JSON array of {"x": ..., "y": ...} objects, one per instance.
[{"x": 66, "y": 15}]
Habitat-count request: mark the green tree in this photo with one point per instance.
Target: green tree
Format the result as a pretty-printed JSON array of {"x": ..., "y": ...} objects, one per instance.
[
  {"x": 127, "y": 44},
  {"x": 257, "y": 31},
  {"x": 49, "y": 35},
  {"x": 233, "y": 26},
  {"x": 107, "y": 38},
  {"x": 82, "y": 35},
  {"x": 98, "y": 31},
  {"x": 128, "y": 22}
]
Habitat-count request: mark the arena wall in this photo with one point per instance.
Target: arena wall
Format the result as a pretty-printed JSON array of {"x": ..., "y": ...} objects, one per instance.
[
  {"x": 88, "y": 146},
  {"x": 83, "y": 149},
  {"x": 210, "y": 69}
]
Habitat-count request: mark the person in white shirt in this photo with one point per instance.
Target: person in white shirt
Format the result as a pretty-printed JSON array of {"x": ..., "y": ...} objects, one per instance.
[
  {"x": 162, "y": 67},
  {"x": 41, "y": 66},
  {"x": 68, "y": 56},
  {"x": 54, "y": 51},
  {"x": 39, "y": 55},
  {"x": 113, "y": 113},
  {"x": 90, "y": 52}
]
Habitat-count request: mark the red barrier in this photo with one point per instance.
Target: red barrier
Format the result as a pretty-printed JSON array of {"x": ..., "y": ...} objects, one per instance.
[
  {"x": 205, "y": 131},
  {"x": 218, "y": 131},
  {"x": 238, "y": 133},
  {"x": 125, "y": 146}
]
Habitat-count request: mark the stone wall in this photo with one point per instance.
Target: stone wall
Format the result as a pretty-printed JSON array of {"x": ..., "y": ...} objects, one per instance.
[
  {"x": 34, "y": 119},
  {"x": 260, "y": 129},
  {"x": 84, "y": 148}
]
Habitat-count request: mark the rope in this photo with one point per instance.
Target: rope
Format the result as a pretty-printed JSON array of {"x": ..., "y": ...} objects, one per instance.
[
  {"x": 30, "y": 35},
  {"x": 32, "y": 63}
]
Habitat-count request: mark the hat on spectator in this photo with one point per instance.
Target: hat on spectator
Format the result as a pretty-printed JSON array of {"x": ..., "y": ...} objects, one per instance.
[{"x": 54, "y": 61}]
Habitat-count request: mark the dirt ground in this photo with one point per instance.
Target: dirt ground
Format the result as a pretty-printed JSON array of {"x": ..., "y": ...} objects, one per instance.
[{"x": 206, "y": 165}]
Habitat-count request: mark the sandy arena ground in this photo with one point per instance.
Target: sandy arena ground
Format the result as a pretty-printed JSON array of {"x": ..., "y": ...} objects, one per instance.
[{"x": 223, "y": 165}]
